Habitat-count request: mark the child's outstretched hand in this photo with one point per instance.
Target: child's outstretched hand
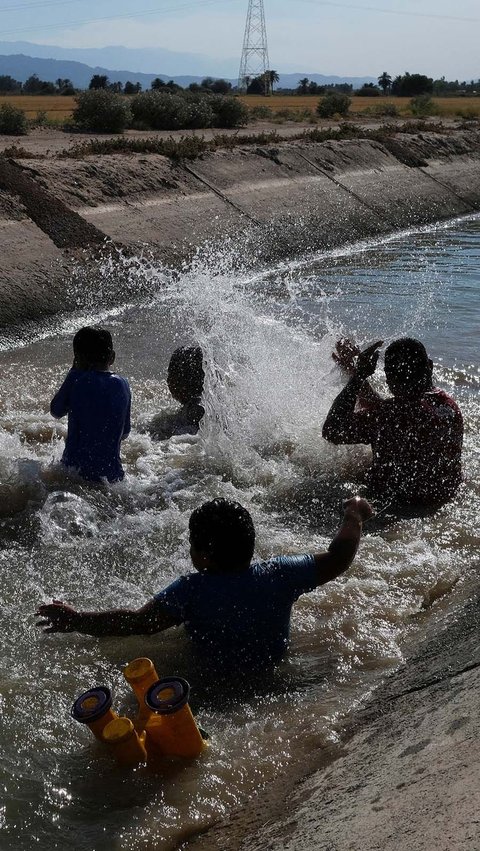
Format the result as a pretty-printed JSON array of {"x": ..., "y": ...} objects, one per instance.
[
  {"x": 345, "y": 354},
  {"x": 358, "y": 507},
  {"x": 58, "y": 617}
]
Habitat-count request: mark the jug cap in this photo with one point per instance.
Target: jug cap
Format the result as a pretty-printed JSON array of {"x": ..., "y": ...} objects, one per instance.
[
  {"x": 92, "y": 704},
  {"x": 168, "y": 695}
]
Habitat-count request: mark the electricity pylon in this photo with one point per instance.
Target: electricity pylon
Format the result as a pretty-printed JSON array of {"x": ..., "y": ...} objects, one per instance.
[{"x": 254, "y": 62}]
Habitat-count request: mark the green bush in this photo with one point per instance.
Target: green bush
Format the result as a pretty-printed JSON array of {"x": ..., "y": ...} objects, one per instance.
[
  {"x": 469, "y": 114},
  {"x": 286, "y": 114},
  {"x": 261, "y": 112},
  {"x": 423, "y": 105},
  {"x": 229, "y": 111},
  {"x": 334, "y": 103},
  {"x": 386, "y": 110},
  {"x": 199, "y": 114},
  {"x": 13, "y": 121},
  {"x": 160, "y": 110},
  {"x": 101, "y": 111},
  {"x": 304, "y": 115}
]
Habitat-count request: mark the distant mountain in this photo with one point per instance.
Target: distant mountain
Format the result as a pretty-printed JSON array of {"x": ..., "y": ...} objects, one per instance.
[
  {"x": 21, "y": 65},
  {"x": 148, "y": 60}
]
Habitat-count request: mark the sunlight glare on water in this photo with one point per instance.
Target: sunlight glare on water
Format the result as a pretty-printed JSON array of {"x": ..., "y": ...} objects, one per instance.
[{"x": 267, "y": 341}]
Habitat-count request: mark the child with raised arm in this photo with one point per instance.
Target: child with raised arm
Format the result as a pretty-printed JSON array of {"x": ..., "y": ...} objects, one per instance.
[
  {"x": 234, "y": 611},
  {"x": 97, "y": 402}
]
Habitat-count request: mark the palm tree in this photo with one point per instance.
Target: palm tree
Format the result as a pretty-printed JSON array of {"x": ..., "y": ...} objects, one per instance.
[
  {"x": 303, "y": 86},
  {"x": 385, "y": 82},
  {"x": 273, "y": 78}
]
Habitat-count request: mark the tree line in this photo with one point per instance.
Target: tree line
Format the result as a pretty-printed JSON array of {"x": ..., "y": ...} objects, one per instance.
[
  {"x": 35, "y": 86},
  {"x": 403, "y": 85}
]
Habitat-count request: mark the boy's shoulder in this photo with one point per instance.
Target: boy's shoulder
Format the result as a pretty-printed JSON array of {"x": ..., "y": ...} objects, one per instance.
[
  {"x": 96, "y": 377},
  {"x": 120, "y": 378}
]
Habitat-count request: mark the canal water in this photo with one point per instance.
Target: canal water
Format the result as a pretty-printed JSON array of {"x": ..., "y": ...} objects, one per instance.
[{"x": 267, "y": 340}]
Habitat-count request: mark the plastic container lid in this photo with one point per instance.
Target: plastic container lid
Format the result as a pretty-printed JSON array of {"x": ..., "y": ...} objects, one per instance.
[
  {"x": 138, "y": 668},
  {"x": 92, "y": 704},
  {"x": 168, "y": 695},
  {"x": 118, "y": 730}
]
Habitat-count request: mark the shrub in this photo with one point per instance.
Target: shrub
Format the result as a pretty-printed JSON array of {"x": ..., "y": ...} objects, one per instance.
[
  {"x": 101, "y": 111},
  {"x": 386, "y": 110},
  {"x": 41, "y": 119},
  {"x": 303, "y": 115},
  {"x": 199, "y": 113},
  {"x": 286, "y": 114},
  {"x": 368, "y": 91},
  {"x": 469, "y": 114},
  {"x": 160, "y": 110},
  {"x": 334, "y": 103},
  {"x": 229, "y": 111},
  {"x": 13, "y": 121},
  {"x": 261, "y": 112},
  {"x": 423, "y": 105}
]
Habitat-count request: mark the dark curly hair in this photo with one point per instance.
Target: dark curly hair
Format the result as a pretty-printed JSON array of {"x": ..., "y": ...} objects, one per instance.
[{"x": 224, "y": 531}]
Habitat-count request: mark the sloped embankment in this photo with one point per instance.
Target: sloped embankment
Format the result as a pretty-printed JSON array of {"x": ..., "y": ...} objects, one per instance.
[{"x": 270, "y": 201}]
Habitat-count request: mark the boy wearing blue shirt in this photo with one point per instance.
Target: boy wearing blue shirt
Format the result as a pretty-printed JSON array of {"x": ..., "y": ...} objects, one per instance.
[
  {"x": 98, "y": 406},
  {"x": 233, "y": 611}
]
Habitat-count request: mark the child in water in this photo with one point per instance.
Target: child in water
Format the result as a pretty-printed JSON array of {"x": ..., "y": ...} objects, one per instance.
[
  {"x": 185, "y": 378},
  {"x": 98, "y": 406},
  {"x": 235, "y": 612}
]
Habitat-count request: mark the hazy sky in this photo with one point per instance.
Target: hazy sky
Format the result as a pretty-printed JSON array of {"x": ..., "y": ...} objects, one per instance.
[{"x": 349, "y": 38}]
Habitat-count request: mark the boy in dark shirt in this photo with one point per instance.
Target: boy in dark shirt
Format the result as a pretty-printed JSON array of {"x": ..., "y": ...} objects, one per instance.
[
  {"x": 235, "y": 612},
  {"x": 185, "y": 378},
  {"x": 416, "y": 436},
  {"x": 98, "y": 406}
]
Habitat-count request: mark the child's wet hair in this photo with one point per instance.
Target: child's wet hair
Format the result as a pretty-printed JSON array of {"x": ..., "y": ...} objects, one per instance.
[
  {"x": 224, "y": 531},
  {"x": 185, "y": 374},
  {"x": 407, "y": 361},
  {"x": 94, "y": 345}
]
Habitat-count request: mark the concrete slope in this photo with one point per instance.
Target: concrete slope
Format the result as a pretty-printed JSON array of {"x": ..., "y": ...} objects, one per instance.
[
  {"x": 407, "y": 777},
  {"x": 271, "y": 202}
]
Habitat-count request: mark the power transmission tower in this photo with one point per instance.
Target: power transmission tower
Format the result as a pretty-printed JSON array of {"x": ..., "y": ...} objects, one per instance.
[{"x": 254, "y": 62}]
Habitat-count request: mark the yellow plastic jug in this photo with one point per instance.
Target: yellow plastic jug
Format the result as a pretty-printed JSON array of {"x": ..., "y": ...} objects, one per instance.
[
  {"x": 171, "y": 730},
  {"x": 141, "y": 674},
  {"x": 126, "y": 746}
]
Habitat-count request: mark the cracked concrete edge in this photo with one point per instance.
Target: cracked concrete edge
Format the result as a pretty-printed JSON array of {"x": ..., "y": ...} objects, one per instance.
[{"x": 406, "y": 776}]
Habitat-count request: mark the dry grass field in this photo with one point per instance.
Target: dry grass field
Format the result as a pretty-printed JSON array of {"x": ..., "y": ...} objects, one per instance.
[
  {"x": 59, "y": 108},
  {"x": 56, "y": 106},
  {"x": 299, "y": 103}
]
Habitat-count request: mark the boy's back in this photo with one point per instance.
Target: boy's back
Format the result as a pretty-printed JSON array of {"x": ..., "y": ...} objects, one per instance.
[
  {"x": 97, "y": 402},
  {"x": 243, "y": 616}
]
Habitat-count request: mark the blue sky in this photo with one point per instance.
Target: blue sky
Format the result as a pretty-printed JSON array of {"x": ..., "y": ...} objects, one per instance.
[{"x": 347, "y": 38}]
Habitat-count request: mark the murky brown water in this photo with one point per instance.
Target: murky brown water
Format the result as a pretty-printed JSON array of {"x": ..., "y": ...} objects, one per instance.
[{"x": 267, "y": 343}]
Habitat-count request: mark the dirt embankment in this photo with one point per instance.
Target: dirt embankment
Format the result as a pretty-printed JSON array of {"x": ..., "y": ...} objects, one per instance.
[{"x": 272, "y": 202}]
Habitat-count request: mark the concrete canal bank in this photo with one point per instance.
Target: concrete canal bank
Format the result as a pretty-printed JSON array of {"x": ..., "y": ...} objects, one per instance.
[
  {"x": 405, "y": 775},
  {"x": 269, "y": 202}
]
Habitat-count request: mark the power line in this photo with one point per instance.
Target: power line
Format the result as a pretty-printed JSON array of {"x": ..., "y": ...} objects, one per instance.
[
  {"x": 144, "y": 13},
  {"x": 38, "y": 5},
  {"x": 362, "y": 8}
]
